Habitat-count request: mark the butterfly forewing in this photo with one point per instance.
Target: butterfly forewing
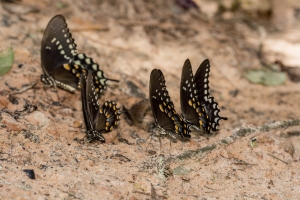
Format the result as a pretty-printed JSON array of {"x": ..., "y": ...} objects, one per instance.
[
  {"x": 57, "y": 51},
  {"x": 192, "y": 110},
  {"x": 208, "y": 102},
  {"x": 97, "y": 120},
  {"x": 90, "y": 104},
  {"x": 202, "y": 82},
  {"x": 163, "y": 108}
]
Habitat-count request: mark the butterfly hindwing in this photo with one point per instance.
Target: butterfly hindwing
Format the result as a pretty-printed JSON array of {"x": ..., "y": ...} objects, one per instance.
[
  {"x": 99, "y": 77},
  {"x": 108, "y": 117}
]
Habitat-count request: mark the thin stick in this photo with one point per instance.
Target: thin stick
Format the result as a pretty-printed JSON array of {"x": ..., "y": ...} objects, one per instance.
[
  {"x": 231, "y": 139},
  {"x": 278, "y": 158},
  {"x": 243, "y": 132},
  {"x": 24, "y": 89}
]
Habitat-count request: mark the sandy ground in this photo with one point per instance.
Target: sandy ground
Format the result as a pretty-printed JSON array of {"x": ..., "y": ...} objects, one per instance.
[{"x": 43, "y": 130}]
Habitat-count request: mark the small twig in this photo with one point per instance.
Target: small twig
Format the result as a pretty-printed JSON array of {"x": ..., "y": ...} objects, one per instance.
[
  {"x": 278, "y": 158},
  {"x": 212, "y": 188},
  {"x": 25, "y": 88},
  {"x": 224, "y": 142},
  {"x": 245, "y": 164},
  {"x": 70, "y": 194},
  {"x": 144, "y": 193}
]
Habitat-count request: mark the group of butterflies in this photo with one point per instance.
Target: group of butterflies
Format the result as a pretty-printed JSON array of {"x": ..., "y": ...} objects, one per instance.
[{"x": 64, "y": 67}]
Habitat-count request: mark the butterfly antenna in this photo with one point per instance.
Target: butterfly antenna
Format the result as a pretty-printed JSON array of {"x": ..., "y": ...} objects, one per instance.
[{"x": 113, "y": 80}]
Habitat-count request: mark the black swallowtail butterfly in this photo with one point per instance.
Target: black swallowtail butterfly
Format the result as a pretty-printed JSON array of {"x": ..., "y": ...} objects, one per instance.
[
  {"x": 61, "y": 63},
  {"x": 163, "y": 109},
  {"x": 192, "y": 110},
  {"x": 97, "y": 120},
  {"x": 136, "y": 113},
  {"x": 198, "y": 107}
]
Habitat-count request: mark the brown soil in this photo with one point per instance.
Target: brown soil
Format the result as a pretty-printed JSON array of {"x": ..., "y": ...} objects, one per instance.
[{"x": 43, "y": 130}]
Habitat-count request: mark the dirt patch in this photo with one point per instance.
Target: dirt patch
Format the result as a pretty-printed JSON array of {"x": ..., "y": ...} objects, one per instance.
[{"x": 43, "y": 130}]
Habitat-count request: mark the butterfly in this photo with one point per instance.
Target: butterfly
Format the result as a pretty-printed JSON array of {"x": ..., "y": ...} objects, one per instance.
[
  {"x": 136, "y": 113},
  {"x": 192, "y": 110},
  {"x": 61, "y": 63},
  {"x": 165, "y": 116},
  {"x": 98, "y": 120},
  {"x": 198, "y": 106}
]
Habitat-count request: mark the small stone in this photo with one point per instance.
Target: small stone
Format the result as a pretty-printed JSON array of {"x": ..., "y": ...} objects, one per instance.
[
  {"x": 38, "y": 118},
  {"x": 3, "y": 102},
  {"x": 264, "y": 139},
  {"x": 66, "y": 112},
  {"x": 287, "y": 146},
  {"x": 224, "y": 153}
]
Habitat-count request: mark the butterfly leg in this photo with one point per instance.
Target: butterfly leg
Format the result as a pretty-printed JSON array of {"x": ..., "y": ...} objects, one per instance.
[
  {"x": 156, "y": 134},
  {"x": 49, "y": 82},
  {"x": 94, "y": 135},
  {"x": 138, "y": 142}
]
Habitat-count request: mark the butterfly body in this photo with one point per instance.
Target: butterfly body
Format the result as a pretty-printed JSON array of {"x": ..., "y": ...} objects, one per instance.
[
  {"x": 165, "y": 116},
  {"x": 98, "y": 120}
]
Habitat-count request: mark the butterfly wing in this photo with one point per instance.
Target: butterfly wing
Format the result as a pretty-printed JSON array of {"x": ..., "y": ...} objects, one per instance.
[
  {"x": 107, "y": 118},
  {"x": 86, "y": 101},
  {"x": 192, "y": 110},
  {"x": 162, "y": 106},
  {"x": 208, "y": 102},
  {"x": 87, "y": 63},
  {"x": 97, "y": 120},
  {"x": 57, "y": 51},
  {"x": 202, "y": 82}
]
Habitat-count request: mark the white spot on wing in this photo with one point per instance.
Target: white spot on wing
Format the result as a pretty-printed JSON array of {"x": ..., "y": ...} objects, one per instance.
[
  {"x": 81, "y": 56},
  {"x": 99, "y": 74},
  {"x": 94, "y": 66},
  {"x": 88, "y": 61}
]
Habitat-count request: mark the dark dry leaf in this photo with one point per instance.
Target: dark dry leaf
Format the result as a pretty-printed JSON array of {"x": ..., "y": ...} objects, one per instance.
[
  {"x": 293, "y": 72},
  {"x": 154, "y": 195},
  {"x": 135, "y": 90},
  {"x": 12, "y": 99},
  {"x": 136, "y": 113},
  {"x": 29, "y": 173}
]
